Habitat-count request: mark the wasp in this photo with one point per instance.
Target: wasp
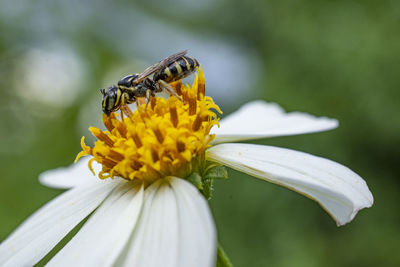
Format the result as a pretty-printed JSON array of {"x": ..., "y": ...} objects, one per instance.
[{"x": 132, "y": 87}]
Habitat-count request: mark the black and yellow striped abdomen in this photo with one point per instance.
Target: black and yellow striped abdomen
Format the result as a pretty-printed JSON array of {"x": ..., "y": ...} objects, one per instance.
[{"x": 177, "y": 70}]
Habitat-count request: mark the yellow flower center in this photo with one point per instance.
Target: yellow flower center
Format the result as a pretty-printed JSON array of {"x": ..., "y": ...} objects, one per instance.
[{"x": 166, "y": 138}]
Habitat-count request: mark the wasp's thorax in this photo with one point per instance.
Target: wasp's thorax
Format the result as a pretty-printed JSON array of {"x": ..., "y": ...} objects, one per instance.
[{"x": 128, "y": 81}]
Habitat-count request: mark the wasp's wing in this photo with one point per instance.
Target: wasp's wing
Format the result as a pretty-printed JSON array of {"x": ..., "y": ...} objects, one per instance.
[
  {"x": 160, "y": 65},
  {"x": 168, "y": 88}
]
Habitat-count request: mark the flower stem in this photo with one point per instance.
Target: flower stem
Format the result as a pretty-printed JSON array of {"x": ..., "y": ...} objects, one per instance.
[{"x": 222, "y": 258}]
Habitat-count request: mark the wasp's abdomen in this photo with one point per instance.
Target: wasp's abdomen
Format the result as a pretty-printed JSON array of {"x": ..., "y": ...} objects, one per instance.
[{"x": 177, "y": 70}]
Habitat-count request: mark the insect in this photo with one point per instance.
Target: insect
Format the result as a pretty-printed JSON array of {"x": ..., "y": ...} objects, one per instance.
[{"x": 132, "y": 87}]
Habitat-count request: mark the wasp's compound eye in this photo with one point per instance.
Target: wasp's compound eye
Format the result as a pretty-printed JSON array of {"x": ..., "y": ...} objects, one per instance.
[{"x": 109, "y": 100}]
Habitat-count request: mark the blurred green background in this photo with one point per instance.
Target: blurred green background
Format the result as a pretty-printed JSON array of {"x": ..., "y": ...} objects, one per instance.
[{"x": 334, "y": 58}]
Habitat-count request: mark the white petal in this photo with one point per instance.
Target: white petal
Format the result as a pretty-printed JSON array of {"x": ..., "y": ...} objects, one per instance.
[
  {"x": 34, "y": 238},
  {"x": 71, "y": 176},
  {"x": 340, "y": 191},
  {"x": 175, "y": 229},
  {"x": 104, "y": 235},
  {"x": 259, "y": 119},
  {"x": 197, "y": 245}
]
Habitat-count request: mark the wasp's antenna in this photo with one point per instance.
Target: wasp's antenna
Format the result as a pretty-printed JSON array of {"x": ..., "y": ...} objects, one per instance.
[{"x": 103, "y": 92}]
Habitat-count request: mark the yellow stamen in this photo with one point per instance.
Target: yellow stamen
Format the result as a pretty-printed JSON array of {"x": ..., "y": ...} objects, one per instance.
[
  {"x": 158, "y": 134},
  {"x": 180, "y": 146},
  {"x": 167, "y": 139},
  {"x": 191, "y": 95},
  {"x": 197, "y": 123},
  {"x": 125, "y": 109},
  {"x": 121, "y": 128},
  {"x": 108, "y": 162},
  {"x": 108, "y": 122},
  {"x": 174, "y": 114},
  {"x": 201, "y": 91},
  {"x": 136, "y": 139},
  {"x": 101, "y": 136},
  {"x": 153, "y": 102},
  {"x": 116, "y": 155},
  {"x": 177, "y": 86}
]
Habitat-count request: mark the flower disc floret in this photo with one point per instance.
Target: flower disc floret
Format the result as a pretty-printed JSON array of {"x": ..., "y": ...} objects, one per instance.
[{"x": 166, "y": 138}]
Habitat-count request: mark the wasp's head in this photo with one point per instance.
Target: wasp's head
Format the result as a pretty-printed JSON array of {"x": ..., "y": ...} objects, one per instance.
[{"x": 110, "y": 99}]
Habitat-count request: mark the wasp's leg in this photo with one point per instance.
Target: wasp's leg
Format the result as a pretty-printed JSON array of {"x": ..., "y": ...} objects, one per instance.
[
  {"x": 165, "y": 86},
  {"x": 148, "y": 98},
  {"x": 139, "y": 102},
  {"x": 124, "y": 105},
  {"x": 127, "y": 111}
]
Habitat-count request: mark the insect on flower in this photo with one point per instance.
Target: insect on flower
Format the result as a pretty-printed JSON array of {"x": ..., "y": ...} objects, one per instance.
[
  {"x": 131, "y": 87},
  {"x": 156, "y": 167}
]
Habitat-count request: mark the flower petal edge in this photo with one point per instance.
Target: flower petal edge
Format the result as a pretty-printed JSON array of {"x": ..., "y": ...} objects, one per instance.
[
  {"x": 38, "y": 234},
  {"x": 260, "y": 119},
  {"x": 340, "y": 191}
]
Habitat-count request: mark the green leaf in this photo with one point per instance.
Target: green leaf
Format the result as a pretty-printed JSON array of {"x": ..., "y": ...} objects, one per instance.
[
  {"x": 222, "y": 258},
  {"x": 196, "y": 180}
]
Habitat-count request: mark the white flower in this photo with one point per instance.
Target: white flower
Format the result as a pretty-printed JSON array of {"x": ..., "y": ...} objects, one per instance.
[{"x": 169, "y": 222}]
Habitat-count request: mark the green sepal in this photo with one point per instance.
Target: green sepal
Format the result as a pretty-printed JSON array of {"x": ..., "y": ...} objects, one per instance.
[
  {"x": 204, "y": 176},
  {"x": 208, "y": 188},
  {"x": 216, "y": 172},
  {"x": 196, "y": 180},
  {"x": 211, "y": 172}
]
